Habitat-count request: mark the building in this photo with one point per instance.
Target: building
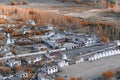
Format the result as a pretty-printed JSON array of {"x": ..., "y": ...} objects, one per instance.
[
  {"x": 69, "y": 45},
  {"x": 11, "y": 63},
  {"x": 33, "y": 59},
  {"x": 4, "y": 49},
  {"x": 48, "y": 27},
  {"x": 30, "y": 22},
  {"x": 6, "y": 54},
  {"x": 23, "y": 40},
  {"x": 50, "y": 69},
  {"x": 41, "y": 76},
  {"x": 52, "y": 54},
  {"x": 39, "y": 47},
  {"x": 11, "y": 77},
  {"x": 54, "y": 40},
  {"x": 63, "y": 63},
  {"x": 25, "y": 29},
  {"x": 9, "y": 40},
  {"x": 22, "y": 74}
]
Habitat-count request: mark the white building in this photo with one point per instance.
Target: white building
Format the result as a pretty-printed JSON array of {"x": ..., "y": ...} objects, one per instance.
[
  {"x": 79, "y": 60},
  {"x": 70, "y": 45},
  {"x": 30, "y": 22},
  {"x": 89, "y": 42},
  {"x": 63, "y": 63},
  {"x": 33, "y": 59},
  {"x": 13, "y": 62},
  {"x": 51, "y": 70},
  {"x": 23, "y": 40},
  {"x": 4, "y": 49},
  {"x": 9, "y": 40},
  {"x": 6, "y": 54},
  {"x": 39, "y": 47},
  {"x": 22, "y": 74},
  {"x": 53, "y": 40},
  {"x": 48, "y": 27},
  {"x": 64, "y": 57},
  {"x": 25, "y": 29},
  {"x": 37, "y": 59}
]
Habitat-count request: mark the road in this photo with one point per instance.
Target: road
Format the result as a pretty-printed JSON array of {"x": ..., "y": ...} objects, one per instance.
[
  {"x": 85, "y": 51},
  {"x": 90, "y": 70},
  {"x": 70, "y": 53}
]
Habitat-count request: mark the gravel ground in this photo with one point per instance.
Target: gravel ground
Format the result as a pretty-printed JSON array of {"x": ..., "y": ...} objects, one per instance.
[{"x": 90, "y": 70}]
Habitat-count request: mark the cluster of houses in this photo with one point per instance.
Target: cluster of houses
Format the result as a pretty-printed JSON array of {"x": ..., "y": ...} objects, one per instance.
[
  {"x": 69, "y": 40},
  {"x": 46, "y": 46}
]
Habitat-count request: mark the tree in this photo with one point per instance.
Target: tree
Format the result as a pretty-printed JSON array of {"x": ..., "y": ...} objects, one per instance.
[
  {"x": 2, "y": 63},
  {"x": 77, "y": 1},
  {"x": 29, "y": 70},
  {"x": 59, "y": 78},
  {"x": 118, "y": 72},
  {"x": 18, "y": 68},
  {"x": 79, "y": 78},
  {"x": 73, "y": 78},
  {"x": 108, "y": 74}
]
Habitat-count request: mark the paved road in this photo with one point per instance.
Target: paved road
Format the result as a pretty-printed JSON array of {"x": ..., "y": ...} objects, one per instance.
[
  {"x": 94, "y": 69},
  {"x": 88, "y": 50},
  {"x": 70, "y": 53}
]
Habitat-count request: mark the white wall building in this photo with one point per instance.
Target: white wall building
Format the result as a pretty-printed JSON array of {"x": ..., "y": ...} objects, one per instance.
[
  {"x": 51, "y": 70},
  {"x": 22, "y": 74},
  {"x": 39, "y": 47},
  {"x": 30, "y": 22},
  {"x": 63, "y": 63},
  {"x": 33, "y": 59},
  {"x": 89, "y": 42},
  {"x": 70, "y": 45},
  {"x": 12, "y": 63}
]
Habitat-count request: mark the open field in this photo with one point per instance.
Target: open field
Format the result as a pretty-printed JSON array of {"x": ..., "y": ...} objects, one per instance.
[{"x": 88, "y": 70}]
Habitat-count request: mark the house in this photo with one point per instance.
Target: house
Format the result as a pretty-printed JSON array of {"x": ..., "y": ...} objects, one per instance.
[
  {"x": 4, "y": 49},
  {"x": 6, "y": 54},
  {"x": 52, "y": 54},
  {"x": 48, "y": 34},
  {"x": 70, "y": 45},
  {"x": 80, "y": 60},
  {"x": 37, "y": 59},
  {"x": 77, "y": 38},
  {"x": 63, "y": 63},
  {"x": 41, "y": 76},
  {"x": 50, "y": 69},
  {"x": 64, "y": 57},
  {"x": 25, "y": 29},
  {"x": 9, "y": 40},
  {"x": 11, "y": 63},
  {"x": 90, "y": 41},
  {"x": 29, "y": 22},
  {"x": 39, "y": 47},
  {"x": 54, "y": 40},
  {"x": 11, "y": 77},
  {"x": 23, "y": 41},
  {"x": 33, "y": 59},
  {"x": 48, "y": 27},
  {"x": 22, "y": 74}
]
